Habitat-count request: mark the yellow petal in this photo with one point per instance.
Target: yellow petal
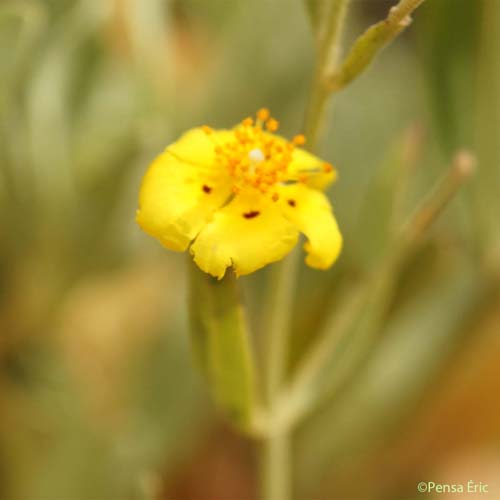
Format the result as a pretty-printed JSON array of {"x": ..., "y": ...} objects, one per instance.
[
  {"x": 313, "y": 171},
  {"x": 248, "y": 233},
  {"x": 177, "y": 199},
  {"x": 311, "y": 213},
  {"x": 198, "y": 147},
  {"x": 306, "y": 167}
]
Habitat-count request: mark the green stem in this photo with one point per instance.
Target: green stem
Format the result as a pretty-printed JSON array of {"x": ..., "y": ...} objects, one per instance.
[
  {"x": 275, "y": 458},
  {"x": 275, "y": 474},
  {"x": 280, "y": 304},
  {"x": 276, "y": 448},
  {"x": 316, "y": 109},
  {"x": 328, "y": 53},
  {"x": 462, "y": 167}
]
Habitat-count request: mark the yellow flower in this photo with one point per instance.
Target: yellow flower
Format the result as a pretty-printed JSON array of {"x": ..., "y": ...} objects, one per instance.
[{"x": 240, "y": 198}]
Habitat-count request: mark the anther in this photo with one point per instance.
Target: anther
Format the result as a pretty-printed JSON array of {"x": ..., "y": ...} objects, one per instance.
[
  {"x": 328, "y": 167},
  {"x": 247, "y": 122},
  {"x": 257, "y": 160},
  {"x": 263, "y": 114},
  {"x": 299, "y": 139},
  {"x": 272, "y": 125}
]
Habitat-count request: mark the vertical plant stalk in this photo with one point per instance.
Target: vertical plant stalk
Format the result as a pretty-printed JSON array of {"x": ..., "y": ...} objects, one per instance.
[
  {"x": 276, "y": 448},
  {"x": 328, "y": 17},
  {"x": 328, "y": 42},
  {"x": 276, "y": 484}
]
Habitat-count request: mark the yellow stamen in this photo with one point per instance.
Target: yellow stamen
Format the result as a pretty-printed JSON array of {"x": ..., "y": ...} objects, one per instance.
[
  {"x": 299, "y": 139},
  {"x": 272, "y": 125},
  {"x": 256, "y": 160},
  {"x": 263, "y": 114}
]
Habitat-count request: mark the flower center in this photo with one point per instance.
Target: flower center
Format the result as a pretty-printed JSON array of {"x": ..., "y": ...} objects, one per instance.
[{"x": 254, "y": 157}]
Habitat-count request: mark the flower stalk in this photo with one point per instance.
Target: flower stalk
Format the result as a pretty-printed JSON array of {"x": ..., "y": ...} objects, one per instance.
[
  {"x": 276, "y": 448},
  {"x": 276, "y": 483},
  {"x": 328, "y": 37}
]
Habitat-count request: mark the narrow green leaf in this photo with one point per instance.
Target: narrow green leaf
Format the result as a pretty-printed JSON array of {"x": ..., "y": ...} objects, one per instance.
[
  {"x": 372, "y": 41},
  {"x": 221, "y": 344}
]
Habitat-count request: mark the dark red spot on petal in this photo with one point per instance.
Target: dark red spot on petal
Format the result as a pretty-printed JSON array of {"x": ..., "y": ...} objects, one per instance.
[
  {"x": 292, "y": 203},
  {"x": 251, "y": 214},
  {"x": 206, "y": 189}
]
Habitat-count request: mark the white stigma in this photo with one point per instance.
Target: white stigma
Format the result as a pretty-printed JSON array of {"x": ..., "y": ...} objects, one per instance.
[{"x": 256, "y": 155}]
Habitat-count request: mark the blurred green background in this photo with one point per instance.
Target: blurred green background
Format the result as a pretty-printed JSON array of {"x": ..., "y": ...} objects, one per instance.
[{"x": 99, "y": 398}]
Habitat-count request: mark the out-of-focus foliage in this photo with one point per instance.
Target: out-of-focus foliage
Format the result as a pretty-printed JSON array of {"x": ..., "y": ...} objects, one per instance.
[{"x": 98, "y": 396}]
